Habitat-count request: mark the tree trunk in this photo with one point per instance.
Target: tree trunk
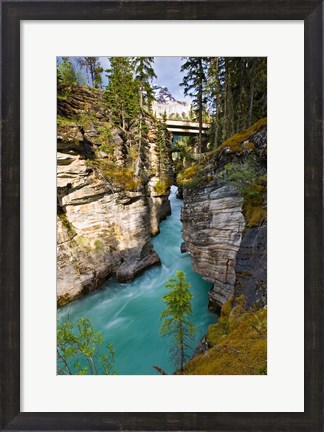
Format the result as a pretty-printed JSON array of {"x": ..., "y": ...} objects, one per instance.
[
  {"x": 137, "y": 168},
  {"x": 200, "y": 125},
  {"x": 251, "y": 104},
  {"x": 181, "y": 348},
  {"x": 217, "y": 101}
]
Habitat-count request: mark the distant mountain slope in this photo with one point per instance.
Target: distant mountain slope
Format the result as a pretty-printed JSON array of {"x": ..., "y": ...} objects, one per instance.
[{"x": 166, "y": 103}]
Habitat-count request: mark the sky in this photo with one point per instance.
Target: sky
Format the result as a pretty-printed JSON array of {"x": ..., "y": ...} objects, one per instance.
[{"x": 168, "y": 74}]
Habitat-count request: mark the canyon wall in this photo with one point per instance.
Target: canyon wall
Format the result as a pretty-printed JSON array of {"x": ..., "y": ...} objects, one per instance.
[
  {"x": 224, "y": 219},
  {"x": 105, "y": 214}
]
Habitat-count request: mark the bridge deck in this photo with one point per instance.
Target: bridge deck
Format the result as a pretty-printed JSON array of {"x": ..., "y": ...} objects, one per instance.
[
  {"x": 184, "y": 124},
  {"x": 184, "y": 131}
]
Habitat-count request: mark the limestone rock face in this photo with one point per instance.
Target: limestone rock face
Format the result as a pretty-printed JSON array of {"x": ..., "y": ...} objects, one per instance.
[
  {"x": 102, "y": 230},
  {"x": 220, "y": 232},
  {"x": 100, "y": 233},
  {"x": 212, "y": 231}
]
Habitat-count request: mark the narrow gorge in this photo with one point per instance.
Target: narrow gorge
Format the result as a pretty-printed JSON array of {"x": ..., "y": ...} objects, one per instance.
[{"x": 143, "y": 193}]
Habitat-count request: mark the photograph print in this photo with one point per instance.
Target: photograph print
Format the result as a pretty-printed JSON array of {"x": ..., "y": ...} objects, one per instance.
[{"x": 161, "y": 216}]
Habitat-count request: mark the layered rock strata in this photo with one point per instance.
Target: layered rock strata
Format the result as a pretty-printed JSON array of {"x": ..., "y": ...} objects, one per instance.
[
  {"x": 226, "y": 249},
  {"x": 212, "y": 230},
  {"x": 102, "y": 230}
]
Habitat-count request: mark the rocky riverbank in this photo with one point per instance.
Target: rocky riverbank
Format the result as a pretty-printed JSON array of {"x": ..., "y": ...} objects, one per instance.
[
  {"x": 106, "y": 214},
  {"x": 225, "y": 232}
]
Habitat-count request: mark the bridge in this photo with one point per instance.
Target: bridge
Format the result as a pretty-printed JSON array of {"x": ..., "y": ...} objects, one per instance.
[{"x": 185, "y": 127}]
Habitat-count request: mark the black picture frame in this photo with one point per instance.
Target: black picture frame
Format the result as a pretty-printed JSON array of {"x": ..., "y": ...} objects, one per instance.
[{"x": 12, "y": 12}]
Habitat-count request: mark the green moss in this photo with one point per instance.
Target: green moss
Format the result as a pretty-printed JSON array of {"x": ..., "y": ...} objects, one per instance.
[
  {"x": 241, "y": 351},
  {"x": 197, "y": 173},
  {"x": 192, "y": 176},
  {"x": 65, "y": 121},
  {"x": 82, "y": 241},
  {"x": 119, "y": 177},
  {"x": 162, "y": 186},
  {"x": 236, "y": 143},
  {"x": 254, "y": 208},
  {"x": 67, "y": 224},
  {"x": 98, "y": 244}
]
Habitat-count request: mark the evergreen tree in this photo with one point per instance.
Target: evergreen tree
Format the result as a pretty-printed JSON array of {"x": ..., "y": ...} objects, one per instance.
[
  {"x": 237, "y": 94},
  {"x": 162, "y": 148},
  {"x": 176, "y": 319},
  {"x": 93, "y": 70},
  {"x": 144, "y": 73},
  {"x": 97, "y": 80},
  {"x": 122, "y": 92},
  {"x": 194, "y": 83},
  {"x": 66, "y": 74}
]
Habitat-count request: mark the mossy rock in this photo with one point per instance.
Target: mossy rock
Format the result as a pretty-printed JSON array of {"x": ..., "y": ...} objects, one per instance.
[
  {"x": 242, "y": 351},
  {"x": 162, "y": 187},
  {"x": 240, "y": 141},
  {"x": 120, "y": 178},
  {"x": 254, "y": 208}
]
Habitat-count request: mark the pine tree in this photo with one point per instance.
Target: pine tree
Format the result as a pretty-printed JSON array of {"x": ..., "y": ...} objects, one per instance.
[
  {"x": 176, "y": 319},
  {"x": 237, "y": 94},
  {"x": 163, "y": 153},
  {"x": 144, "y": 73},
  {"x": 194, "y": 83},
  {"x": 93, "y": 70},
  {"x": 66, "y": 74},
  {"x": 122, "y": 92},
  {"x": 97, "y": 80}
]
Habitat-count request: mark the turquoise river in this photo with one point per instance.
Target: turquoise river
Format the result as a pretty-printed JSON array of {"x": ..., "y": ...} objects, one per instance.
[{"x": 128, "y": 315}]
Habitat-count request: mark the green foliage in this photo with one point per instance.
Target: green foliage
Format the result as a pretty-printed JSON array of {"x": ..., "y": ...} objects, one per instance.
[
  {"x": 183, "y": 146},
  {"x": 193, "y": 176},
  {"x": 66, "y": 74},
  {"x": 163, "y": 153},
  {"x": 144, "y": 73},
  {"x": 105, "y": 134},
  {"x": 93, "y": 70},
  {"x": 176, "y": 318},
  {"x": 65, "y": 121},
  {"x": 254, "y": 205},
  {"x": 194, "y": 83},
  {"x": 242, "y": 174},
  {"x": 251, "y": 182},
  {"x": 122, "y": 92},
  {"x": 86, "y": 119},
  {"x": 78, "y": 350},
  {"x": 118, "y": 177},
  {"x": 237, "y": 94}
]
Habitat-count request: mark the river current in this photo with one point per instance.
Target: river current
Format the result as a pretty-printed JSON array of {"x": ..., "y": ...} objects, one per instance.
[{"x": 128, "y": 315}]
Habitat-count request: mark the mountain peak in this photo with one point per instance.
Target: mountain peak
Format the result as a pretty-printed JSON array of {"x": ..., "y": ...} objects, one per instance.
[
  {"x": 166, "y": 103},
  {"x": 162, "y": 94}
]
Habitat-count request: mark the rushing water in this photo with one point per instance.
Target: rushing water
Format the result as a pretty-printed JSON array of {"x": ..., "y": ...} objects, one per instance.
[{"x": 128, "y": 315}]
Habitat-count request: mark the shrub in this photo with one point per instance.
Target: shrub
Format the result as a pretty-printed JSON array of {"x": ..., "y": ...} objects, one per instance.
[{"x": 78, "y": 350}]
